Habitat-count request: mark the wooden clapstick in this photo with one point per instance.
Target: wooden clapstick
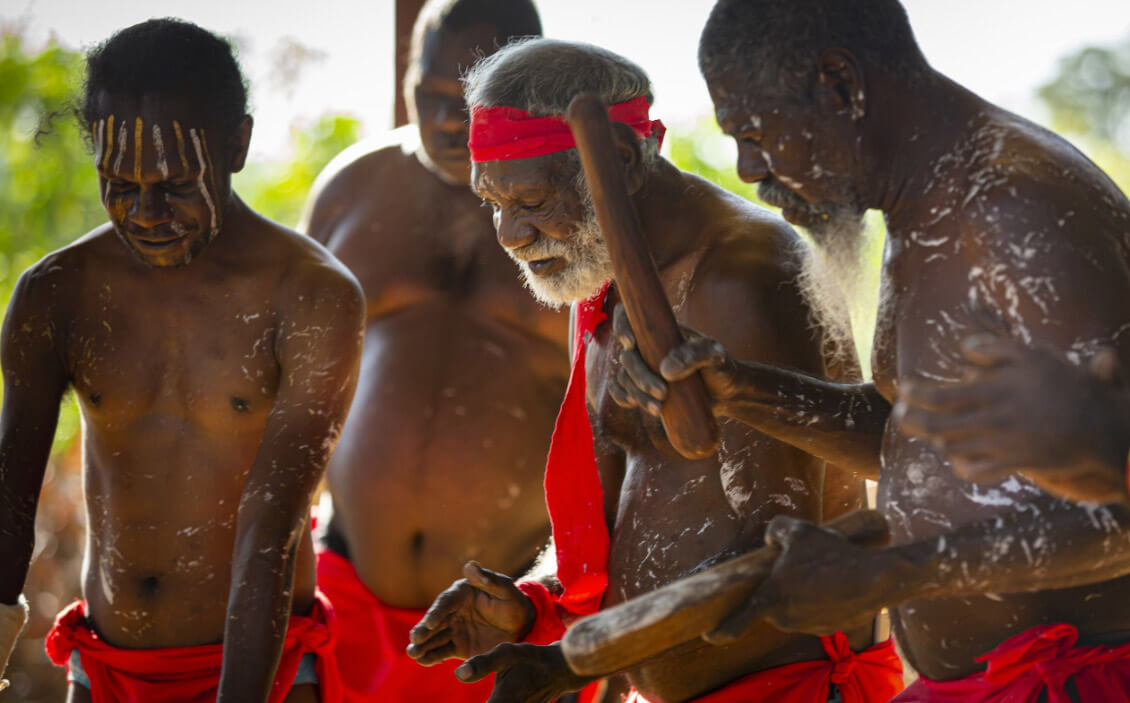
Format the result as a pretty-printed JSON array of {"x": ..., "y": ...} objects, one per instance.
[
  {"x": 687, "y": 416},
  {"x": 636, "y": 630}
]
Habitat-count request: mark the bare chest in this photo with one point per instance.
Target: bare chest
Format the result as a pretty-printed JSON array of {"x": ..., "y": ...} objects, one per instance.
[{"x": 205, "y": 357}]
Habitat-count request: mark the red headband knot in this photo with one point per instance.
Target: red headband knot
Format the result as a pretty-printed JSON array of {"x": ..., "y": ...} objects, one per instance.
[{"x": 506, "y": 133}]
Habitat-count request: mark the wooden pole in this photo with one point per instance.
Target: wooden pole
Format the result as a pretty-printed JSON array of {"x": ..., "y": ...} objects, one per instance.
[
  {"x": 687, "y": 416},
  {"x": 406, "y": 13},
  {"x": 621, "y": 637}
]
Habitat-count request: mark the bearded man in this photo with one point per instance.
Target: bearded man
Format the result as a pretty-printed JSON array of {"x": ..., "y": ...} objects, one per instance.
[
  {"x": 213, "y": 354},
  {"x": 1000, "y": 591},
  {"x": 462, "y": 373},
  {"x": 629, "y": 513}
]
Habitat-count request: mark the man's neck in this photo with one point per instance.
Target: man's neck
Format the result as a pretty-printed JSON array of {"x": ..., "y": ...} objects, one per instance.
[
  {"x": 669, "y": 218},
  {"x": 931, "y": 117}
]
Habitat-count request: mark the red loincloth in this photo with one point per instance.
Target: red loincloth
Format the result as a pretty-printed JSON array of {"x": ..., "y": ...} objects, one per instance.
[
  {"x": 871, "y": 676},
  {"x": 188, "y": 674},
  {"x": 372, "y": 638},
  {"x": 1022, "y": 667}
]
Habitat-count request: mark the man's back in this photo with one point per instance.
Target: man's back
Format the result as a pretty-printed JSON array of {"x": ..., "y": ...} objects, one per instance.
[{"x": 442, "y": 458}]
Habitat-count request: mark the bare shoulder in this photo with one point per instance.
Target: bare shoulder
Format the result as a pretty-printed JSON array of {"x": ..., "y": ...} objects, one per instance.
[
  {"x": 56, "y": 282},
  {"x": 356, "y": 174},
  {"x": 749, "y": 250},
  {"x": 744, "y": 290},
  {"x": 1024, "y": 181}
]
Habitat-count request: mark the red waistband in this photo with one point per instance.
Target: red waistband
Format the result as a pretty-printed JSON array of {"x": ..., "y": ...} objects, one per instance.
[
  {"x": 1024, "y": 666},
  {"x": 870, "y": 676},
  {"x": 186, "y": 673}
]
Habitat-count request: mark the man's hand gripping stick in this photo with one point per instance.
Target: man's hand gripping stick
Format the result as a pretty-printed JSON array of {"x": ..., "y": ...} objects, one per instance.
[{"x": 687, "y": 417}]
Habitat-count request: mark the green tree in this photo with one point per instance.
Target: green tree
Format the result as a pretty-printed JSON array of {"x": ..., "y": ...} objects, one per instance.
[{"x": 1090, "y": 94}]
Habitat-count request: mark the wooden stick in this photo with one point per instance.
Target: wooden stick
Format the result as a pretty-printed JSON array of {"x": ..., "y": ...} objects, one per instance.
[
  {"x": 687, "y": 415},
  {"x": 636, "y": 630}
]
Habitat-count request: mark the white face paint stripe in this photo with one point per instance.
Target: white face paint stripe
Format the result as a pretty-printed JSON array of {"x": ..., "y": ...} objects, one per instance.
[
  {"x": 123, "y": 134},
  {"x": 98, "y": 133},
  {"x": 200, "y": 176},
  {"x": 159, "y": 147}
]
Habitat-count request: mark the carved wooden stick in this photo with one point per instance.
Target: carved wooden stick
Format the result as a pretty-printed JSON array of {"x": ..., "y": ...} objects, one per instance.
[
  {"x": 687, "y": 416},
  {"x": 636, "y": 630}
]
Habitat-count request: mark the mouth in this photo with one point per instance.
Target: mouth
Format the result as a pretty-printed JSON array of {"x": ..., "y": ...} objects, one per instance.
[
  {"x": 157, "y": 243},
  {"x": 546, "y": 267}
]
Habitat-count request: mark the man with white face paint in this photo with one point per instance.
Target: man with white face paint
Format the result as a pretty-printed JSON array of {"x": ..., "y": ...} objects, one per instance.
[
  {"x": 1002, "y": 591},
  {"x": 629, "y": 513},
  {"x": 213, "y": 354}
]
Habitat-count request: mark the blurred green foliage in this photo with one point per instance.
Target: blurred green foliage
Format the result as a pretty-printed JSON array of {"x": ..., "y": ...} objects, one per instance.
[
  {"x": 1090, "y": 94},
  {"x": 49, "y": 195}
]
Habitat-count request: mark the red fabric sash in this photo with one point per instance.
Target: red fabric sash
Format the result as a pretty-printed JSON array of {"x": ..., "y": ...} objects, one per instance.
[
  {"x": 188, "y": 674},
  {"x": 372, "y": 636},
  {"x": 573, "y": 494},
  {"x": 503, "y": 133},
  {"x": 871, "y": 676},
  {"x": 1022, "y": 667}
]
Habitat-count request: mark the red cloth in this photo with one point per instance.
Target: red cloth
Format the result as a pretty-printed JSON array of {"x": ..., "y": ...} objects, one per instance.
[
  {"x": 573, "y": 494},
  {"x": 188, "y": 674},
  {"x": 505, "y": 133},
  {"x": 372, "y": 638},
  {"x": 1041, "y": 658},
  {"x": 871, "y": 676}
]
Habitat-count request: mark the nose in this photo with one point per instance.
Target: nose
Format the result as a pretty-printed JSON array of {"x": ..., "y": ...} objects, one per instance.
[
  {"x": 513, "y": 234},
  {"x": 149, "y": 208},
  {"x": 752, "y": 166}
]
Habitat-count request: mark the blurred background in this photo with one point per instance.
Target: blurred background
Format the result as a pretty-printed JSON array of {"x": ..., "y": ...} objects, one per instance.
[{"x": 323, "y": 75}]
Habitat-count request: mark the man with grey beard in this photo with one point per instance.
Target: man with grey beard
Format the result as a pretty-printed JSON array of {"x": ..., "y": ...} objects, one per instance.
[
  {"x": 629, "y": 513},
  {"x": 1002, "y": 591}
]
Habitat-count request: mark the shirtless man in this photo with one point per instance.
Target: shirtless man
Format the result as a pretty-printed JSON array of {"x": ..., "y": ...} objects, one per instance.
[
  {"x": 992, "y": 221},
  {"x": 214, "y": 355},
  {"x": 726, "y": 266},
  {"x": 441, "y": 460}
]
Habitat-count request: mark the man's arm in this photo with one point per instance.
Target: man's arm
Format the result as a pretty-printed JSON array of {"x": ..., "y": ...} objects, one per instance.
[
  {"x": 34, "y": 381},
  {"x": 841, "y": 423},
  {"x": 318, "y": 348}
]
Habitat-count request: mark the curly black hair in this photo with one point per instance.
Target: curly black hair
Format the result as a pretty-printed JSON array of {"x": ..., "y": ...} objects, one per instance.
[{"x": 168, "y": 56}]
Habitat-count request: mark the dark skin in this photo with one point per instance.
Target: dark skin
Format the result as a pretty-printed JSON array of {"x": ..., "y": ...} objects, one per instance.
[
  {"x": 985, "y": 212},
  {"x": 726, "y": 266},
  {"x": 997, "y": 421},
  {"x": 458, "y": 358},
  {"x": 214, "y": 355}
]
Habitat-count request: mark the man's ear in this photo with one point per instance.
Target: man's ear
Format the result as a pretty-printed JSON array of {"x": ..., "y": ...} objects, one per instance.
[
  {"x": 628, "y": 147},
  {"x": 840, "y": 84},
  {"x": 238, "y": 144}
]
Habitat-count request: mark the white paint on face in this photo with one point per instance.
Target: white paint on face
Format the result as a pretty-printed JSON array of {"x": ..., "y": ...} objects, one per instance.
[
  {"x": 123, "y": 134},
  {"x": 200, "y": 176},
  {"x": 159, "y": 147},
  {"x": 99, "y": 135}
]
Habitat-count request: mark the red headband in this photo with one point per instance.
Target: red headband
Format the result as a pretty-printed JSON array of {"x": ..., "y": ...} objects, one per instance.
[{"x": 507, "y": 133}]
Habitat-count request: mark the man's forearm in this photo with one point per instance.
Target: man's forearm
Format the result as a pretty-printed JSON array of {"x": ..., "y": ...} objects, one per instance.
[
  {"x": 1041, "y": 545},
  {"x": 840, "y": 423},
  {"x": 258, "y": 613}
]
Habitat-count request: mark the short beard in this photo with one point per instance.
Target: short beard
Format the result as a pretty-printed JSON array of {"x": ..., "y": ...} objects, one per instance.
[
  {"x": 831, "y": 278},
  {"x": 588, "y": 266}
]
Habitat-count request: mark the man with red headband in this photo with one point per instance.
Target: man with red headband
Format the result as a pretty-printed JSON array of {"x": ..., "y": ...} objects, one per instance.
[
  {"x": 441, "y": 459},
  {"x": 629, "y": 514}
]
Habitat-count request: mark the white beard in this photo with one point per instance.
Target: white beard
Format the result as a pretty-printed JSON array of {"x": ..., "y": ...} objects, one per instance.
[
  {"x": 587, "y": 267},
  {"x": 831, "y": 278}
]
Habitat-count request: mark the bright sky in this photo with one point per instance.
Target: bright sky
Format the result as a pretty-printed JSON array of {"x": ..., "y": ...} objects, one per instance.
[{"x": 1002, "y": 49}]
